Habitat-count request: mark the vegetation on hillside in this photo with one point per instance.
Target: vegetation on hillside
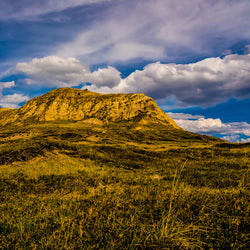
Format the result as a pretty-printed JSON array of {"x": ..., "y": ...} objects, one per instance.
[
  {"x": 71, "y": 185},
  {"x": 81, "y": 170}
]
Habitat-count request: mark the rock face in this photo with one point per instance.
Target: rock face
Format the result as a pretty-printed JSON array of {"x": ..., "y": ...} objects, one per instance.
[{"x": 86, "y": 106}]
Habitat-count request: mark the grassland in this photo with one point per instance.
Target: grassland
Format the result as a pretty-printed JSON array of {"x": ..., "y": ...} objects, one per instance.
[{"x": 67, "y": 185}]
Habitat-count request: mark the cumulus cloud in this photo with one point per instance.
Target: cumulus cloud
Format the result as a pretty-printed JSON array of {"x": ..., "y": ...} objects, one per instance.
[
  {"x": 232, "y": 138},
  {"x": 69, "y": 72},
  {"x": 105, "y": 77},
  {"x": 245, "y": 140},
  {"x": 203, "y": 125},
  {"x": 199, "y": 124},
  {"x": 204, "y": 83},
  {"x": 54, "y": 71},
  {"x": 10, "y": 101},
  {"x": 6, "y": 85},
  {"x": 156, "y": 29}
]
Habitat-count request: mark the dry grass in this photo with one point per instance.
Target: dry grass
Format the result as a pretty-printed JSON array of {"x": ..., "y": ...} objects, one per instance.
[{"x": 119, "y": 194}]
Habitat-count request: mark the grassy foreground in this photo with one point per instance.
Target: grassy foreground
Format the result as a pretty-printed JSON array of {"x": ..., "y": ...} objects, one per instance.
[{"x": 71, "y": 186}]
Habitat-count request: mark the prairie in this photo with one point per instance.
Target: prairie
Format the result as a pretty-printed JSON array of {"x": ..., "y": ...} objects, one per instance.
[{"x": 69, "y": 185}]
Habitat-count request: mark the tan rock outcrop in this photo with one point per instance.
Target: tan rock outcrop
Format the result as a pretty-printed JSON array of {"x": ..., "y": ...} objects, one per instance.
[{"x": 88, "y": 107}]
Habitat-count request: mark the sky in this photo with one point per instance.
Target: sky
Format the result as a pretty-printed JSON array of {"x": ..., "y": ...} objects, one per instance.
[{"x": 192, "y": 57}]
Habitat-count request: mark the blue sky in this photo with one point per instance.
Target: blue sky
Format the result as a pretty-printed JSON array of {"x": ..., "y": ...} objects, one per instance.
[{"x": 192, "y": 57}]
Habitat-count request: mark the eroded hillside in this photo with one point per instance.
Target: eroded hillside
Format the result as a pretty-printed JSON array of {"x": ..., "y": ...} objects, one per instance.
[{"x": 82, "y": 105}]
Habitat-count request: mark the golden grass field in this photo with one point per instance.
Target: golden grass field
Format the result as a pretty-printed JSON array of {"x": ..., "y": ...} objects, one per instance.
[{"x": 71, "y": 185}]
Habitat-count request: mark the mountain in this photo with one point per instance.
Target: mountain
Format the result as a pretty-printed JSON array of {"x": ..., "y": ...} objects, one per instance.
[{"x": 67, "y": 104}]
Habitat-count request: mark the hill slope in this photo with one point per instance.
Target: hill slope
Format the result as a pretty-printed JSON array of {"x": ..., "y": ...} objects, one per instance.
[
  {"x": 66, "y": 119},
  {"x": 81, "y": 170},
  {"x": 81, "y": 105}
]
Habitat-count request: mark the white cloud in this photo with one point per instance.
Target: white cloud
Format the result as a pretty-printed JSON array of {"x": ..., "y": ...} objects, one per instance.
[
  {"x": 156, "y": 29},
  {"x": 105, "y": 77},
  {"x": 205, "y": 83},
  {"x": 6, "y": 85},
  {"x": 184, "y": 116},
  {"x": 10, "y": 101},
  {"x": 59, "y": 72},
  {"x": 247, "y": 49},
  {"x": 29, "y": 8},
  {"x": 54, "y": 71},
  {"x": 245, "y": 140},
  {"x": 231, "y": 138},
  {"x": 203, "y": 125},
  {"x": 125, "y": 30},
  {"x": 210, "y": 126}
]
